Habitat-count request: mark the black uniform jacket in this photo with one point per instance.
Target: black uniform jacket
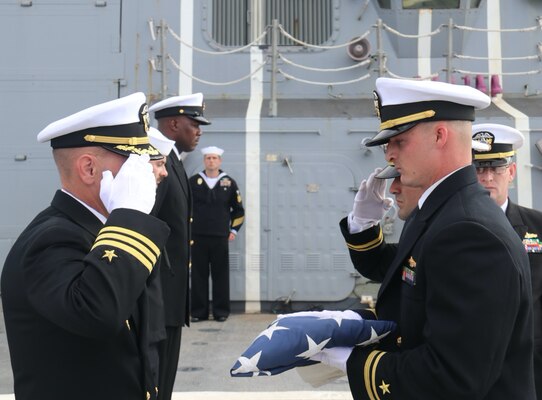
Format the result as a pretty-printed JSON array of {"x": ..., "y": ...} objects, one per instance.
[
  {"x": 528, "y": 225},
  {"x": 75, "y": 303},
  {"x": 218, "y": 210},
  {"x": 458, "y": 285},
  {"x": 174, "y": 206}
]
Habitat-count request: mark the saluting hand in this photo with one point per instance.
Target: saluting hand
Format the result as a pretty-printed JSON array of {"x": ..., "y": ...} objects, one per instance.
[
  {"x": 134, "y": 187},
  {"x": 370, "y": 203}
]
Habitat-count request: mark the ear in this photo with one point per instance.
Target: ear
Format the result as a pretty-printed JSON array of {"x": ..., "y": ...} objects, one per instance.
[
  {"x": 441, "y": 133},
  {"x": 86, "y": 168},
  {"x": 512, "y": 172}
]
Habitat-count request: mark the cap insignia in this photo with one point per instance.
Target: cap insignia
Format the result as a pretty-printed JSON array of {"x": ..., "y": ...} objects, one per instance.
[
  {"x": 485, "y": 137},
  {"x": 181, "y": 110},
  {"x": 144, "y": 117},
  {"x": 203, "y": 106},
  {"x": 377, "y": 103}
]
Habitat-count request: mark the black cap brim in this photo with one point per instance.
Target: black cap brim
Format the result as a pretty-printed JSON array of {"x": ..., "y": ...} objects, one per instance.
[
  {"x": 388, "y": 172},
  {"x": 496, "y": 162},
  {"x": 200, "y": 119},
  {"x": 385, "y": 135}
]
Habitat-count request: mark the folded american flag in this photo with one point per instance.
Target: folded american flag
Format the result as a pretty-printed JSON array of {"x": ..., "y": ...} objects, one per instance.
[{"x": 292, "y": 339}]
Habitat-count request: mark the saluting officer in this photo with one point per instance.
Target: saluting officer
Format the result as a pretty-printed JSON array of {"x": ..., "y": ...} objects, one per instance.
[
  {"x": 496, "y": 169},
  {"x": 75, "y": 283},
  {"x": 458, "y": 282},
  {"x": 218, "y": 216}
]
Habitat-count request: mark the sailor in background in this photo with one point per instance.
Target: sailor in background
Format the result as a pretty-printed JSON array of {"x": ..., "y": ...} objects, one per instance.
[
  {"x": 179, "y": 119},
  {"x": 496, "y": 170},
  {"x": 75, "y": 283},
  {"x": 218, "y": 216}
]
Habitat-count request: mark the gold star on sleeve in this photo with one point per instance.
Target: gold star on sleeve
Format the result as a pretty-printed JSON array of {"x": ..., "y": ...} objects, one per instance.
[
  {"x": 385, "y": 387},
  {"x": 109, "y": 254}
]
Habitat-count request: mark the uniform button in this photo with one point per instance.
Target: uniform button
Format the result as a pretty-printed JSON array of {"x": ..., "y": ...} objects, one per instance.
[
  {"x": 399, "y": 341},
  {"x": 191, "y": 219},
  {"x": 148, "y": 395},
  {"x": 191, "y": 243},
  {"x": 190, "y": 264}
]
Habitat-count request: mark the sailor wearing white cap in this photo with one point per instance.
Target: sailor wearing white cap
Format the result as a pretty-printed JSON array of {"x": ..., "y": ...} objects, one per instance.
[
  {"x": 218, "y": 216},
  {"x": 458, "y": 260},
  {"x": 496, "y": 170},
  {"x": 75, "y": 283},
  {"x": 179, "y": 119}
]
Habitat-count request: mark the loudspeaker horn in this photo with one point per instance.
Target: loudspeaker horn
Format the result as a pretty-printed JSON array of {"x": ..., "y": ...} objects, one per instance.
[{"x": 359, "y": 50}]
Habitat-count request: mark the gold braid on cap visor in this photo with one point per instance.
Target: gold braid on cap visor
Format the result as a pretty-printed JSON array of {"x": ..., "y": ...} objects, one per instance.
[
  {"x": 117, "y": 140},
  {"x": 406, "y": 119},
  {"x": 491, "y": 156}
]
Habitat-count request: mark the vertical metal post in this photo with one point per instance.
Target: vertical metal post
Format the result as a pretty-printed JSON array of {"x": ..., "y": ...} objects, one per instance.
[
  {"x": 450, "y": 51},
  {"x": 379, "y": 51},
  {"x": 274, "y": 56},
  {"x": 163, "y": 84}
]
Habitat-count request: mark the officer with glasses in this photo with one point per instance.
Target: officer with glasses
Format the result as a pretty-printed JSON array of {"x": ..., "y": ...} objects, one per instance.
[{"x": 496, "y": 170}]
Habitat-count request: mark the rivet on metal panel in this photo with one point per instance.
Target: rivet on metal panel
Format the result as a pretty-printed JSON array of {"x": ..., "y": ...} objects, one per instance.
[
  {"x": 100, "y": 3},
  {"x": 20, "y": 157},
  {"x": 26, "y": 3}
]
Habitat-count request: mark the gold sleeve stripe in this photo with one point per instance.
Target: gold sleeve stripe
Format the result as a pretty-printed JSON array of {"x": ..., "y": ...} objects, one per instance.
[
  {"x": 369, "y": 373},
  {"x": 368, "y": 246},
  {"x": 373, "y": 310},
  {"x": 134, "y": 243},
  {"x": 237, "y": 221},
  {"x": 373, "y": 373},
  {"x": 135, "y": 234},
  {"x": 406, "y": 119},
  {"x": 128, "y": 249}
]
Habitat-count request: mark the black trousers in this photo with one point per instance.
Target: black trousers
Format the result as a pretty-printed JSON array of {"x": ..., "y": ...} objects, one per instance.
[
  {"x": 169, "y": 360},
  {"x": 210, "y": 254}
]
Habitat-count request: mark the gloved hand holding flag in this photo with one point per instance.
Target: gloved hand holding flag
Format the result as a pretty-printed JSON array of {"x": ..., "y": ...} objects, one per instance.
[{"x": 295, "y": 340}]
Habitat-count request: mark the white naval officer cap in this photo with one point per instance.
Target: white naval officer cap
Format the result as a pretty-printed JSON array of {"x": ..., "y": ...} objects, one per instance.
[
  {"x": 212, "y": 150},
  {"x": 118, "y": 125},
  {"x": 501, "y": 144},
  {"x": 191, "y": 106},
  {"x": 401, "y": 103},
  {"x": 158, "y": 140}
]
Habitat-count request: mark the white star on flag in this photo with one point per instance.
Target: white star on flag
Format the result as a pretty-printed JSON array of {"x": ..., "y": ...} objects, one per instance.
[{"x": 313, "y": 347}]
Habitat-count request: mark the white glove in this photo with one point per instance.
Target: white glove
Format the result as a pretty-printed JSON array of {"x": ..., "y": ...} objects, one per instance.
[
  {"x": 134, "y": 187},
  {"x": 334, "y": 357},
  {"x": 370, "y": 203}
]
